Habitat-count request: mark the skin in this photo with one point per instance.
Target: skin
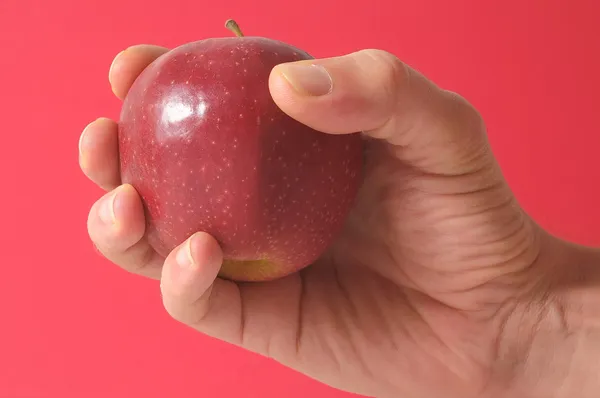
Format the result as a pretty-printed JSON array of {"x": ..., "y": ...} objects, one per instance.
[{"x": 439, "y": 285}]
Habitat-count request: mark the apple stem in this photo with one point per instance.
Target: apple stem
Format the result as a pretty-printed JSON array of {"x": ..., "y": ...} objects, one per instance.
[{"x": 234, "y": 27}]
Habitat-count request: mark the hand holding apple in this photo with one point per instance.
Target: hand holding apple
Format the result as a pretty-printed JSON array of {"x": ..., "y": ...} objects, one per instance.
[{"x": 439, "y": 283}]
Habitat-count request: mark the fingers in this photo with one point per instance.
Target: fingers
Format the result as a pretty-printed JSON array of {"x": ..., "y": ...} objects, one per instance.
[
  {"x": 99, "y": 153},
  {"x": 261, "y": 317},
  {"x": 116, "y": 222},
  {"x": 374, "y": 92},
  {"x": 116, "y": 225},
  {"x": 98, "y": 144},
  {"x": 128, "y": 64},
  {"x": 192, "y": 293}
]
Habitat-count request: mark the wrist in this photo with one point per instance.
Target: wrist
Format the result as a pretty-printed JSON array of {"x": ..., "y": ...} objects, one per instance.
[
  {"x": 579, "y": 291},
  {"x": 550, "y": 337}
]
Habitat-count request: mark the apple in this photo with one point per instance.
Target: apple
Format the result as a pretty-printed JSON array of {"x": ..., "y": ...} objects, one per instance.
[{"x": 207, "y": 149}]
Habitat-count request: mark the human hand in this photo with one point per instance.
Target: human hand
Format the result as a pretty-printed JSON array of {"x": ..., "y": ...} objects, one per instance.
[{"x": 439, "y": 285}]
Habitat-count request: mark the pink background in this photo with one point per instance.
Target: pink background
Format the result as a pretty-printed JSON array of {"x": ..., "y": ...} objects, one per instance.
[{"x": 72, "y": 325}]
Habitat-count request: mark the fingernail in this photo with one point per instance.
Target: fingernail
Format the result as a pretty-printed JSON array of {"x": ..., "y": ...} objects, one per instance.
[
  {"x": 310, "y": 80},
  {"x": 184, "y": 256},
  {"x": 107, "y": 209}
]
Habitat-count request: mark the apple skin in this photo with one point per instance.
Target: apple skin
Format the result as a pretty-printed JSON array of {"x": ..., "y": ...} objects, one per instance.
[{"x": 207, "y": 149}]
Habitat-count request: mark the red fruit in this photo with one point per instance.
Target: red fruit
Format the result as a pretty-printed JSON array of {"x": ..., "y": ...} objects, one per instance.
[{"x": 208, "y": 150}]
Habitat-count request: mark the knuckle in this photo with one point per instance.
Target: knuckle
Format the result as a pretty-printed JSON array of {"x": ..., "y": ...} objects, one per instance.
[
  {"x": 391, "y": 72},
  {"x": 466, "y": 126},
  {"x": 174, "y": 311},
  {"x": 464, "y": 111},
  {"x": 388, "y": 77},
  {"x": 179, "y": 304},
  {"x": 137, "y": 263}
]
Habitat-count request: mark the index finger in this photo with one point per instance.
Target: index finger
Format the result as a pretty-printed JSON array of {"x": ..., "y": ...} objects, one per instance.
[{"x": 128, "y": 64}]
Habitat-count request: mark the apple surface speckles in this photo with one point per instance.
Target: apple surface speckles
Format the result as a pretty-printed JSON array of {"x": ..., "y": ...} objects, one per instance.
[{"x": 208, "y": 150}]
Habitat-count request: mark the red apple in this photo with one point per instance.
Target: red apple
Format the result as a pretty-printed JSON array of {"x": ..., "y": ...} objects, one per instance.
[{"x": 207, "y": 149}]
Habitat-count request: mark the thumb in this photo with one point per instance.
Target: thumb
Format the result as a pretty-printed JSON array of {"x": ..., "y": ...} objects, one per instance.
[{"x": 372, "y": 91}]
